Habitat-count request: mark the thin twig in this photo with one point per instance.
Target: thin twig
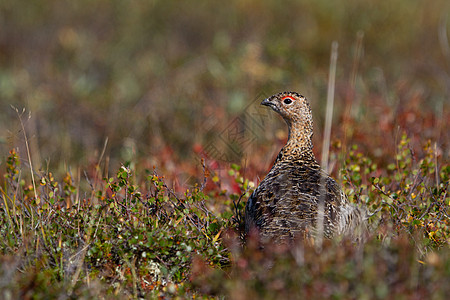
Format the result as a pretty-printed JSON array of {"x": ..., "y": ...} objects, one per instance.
[
  {"x": 330, "y": 104},
  {"x": 28, "y": 150},
  {"x": 103, "y": 151},
  {"x": 204, "y": 175},
  {"x": 237, "y": 218},
  {"x": 180, "y": 204},
  {"x": 387, "y": 195},
  {"x": 326, "y": 142},
  {"x": 436, "y": 166}
]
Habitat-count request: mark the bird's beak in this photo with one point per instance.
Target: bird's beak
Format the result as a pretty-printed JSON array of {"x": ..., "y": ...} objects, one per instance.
[{"x": 267, "y": 102}]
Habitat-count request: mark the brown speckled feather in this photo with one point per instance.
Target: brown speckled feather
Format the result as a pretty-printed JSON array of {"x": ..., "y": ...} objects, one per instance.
[{"x": 285, "y": 204}]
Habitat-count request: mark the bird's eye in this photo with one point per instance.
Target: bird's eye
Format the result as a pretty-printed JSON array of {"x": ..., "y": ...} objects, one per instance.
[{"x": 287, "y": 100}]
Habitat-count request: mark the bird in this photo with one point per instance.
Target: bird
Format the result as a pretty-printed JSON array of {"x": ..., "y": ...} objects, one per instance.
[{"x": 296, "y": 195}]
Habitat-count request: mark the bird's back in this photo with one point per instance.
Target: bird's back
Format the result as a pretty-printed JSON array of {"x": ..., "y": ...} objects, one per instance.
[{"x": 285, "y": 204}]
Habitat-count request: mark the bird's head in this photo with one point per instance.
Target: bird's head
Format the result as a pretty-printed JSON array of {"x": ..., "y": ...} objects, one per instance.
[
  {"x": 295, "y": 110},
  {"x": 293, "y": 107}
]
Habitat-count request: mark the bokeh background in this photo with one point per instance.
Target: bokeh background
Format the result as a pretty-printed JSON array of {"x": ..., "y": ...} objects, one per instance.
[
  {"x": 157, "y": 82},
  {"x": 102, "y": 91}
]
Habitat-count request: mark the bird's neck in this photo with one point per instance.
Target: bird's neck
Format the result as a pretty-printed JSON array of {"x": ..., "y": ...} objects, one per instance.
[{"x": 299, "y": 145}]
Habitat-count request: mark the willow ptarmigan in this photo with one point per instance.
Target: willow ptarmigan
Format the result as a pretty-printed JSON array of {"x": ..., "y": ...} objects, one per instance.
[{"x": 285, "y": 205}]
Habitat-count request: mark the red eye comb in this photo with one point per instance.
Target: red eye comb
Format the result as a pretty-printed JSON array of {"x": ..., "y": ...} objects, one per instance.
[{"x": 288, "y": 97}]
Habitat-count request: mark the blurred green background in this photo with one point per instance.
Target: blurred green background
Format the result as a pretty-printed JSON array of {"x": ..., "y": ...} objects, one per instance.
[{"x": 161, "y": 78}]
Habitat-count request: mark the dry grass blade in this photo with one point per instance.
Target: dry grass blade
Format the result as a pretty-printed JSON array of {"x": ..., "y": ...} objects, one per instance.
[
  {"x": 19, "y": 116},
  {"x": 326, "y": 140}
]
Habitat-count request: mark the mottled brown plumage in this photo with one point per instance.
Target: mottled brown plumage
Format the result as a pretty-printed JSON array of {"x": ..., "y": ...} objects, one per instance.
[{"x": 285, "y": 204}]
